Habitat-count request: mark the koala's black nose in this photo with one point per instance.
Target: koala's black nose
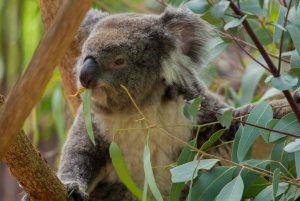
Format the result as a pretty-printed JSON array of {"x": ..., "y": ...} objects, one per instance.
[{"x": 88, "y": 73}]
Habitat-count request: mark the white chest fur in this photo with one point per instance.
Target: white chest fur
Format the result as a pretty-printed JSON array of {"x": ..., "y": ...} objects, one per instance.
[{"x": 163, "y": 147}]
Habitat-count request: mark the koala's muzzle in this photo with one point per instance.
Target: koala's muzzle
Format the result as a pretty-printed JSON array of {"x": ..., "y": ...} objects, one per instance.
[{"x": 88, "y": 73}]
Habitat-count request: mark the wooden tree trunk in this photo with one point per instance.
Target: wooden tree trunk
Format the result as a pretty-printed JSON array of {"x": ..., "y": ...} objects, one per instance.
[{"x": 23, "y": 161}]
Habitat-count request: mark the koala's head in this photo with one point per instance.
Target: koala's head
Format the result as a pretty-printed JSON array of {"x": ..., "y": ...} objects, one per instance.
[{"x": 156, "y": 57}]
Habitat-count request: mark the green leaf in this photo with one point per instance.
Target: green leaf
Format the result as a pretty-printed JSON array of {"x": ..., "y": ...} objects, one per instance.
[
  {"x": 250, "y": 80},
  {"x": 278, "y": 154},
  {"x": 210, "y": 19},
  {"x": 297, "y": 162},
  {"x": 270, "y": 93},
  {"x": 210, "y": 183},
  {"x": 186, "y": 155},
  {"x": 235, "y": 97},
  {"x": 249, "y": 177},
  {"x": 212, "y": 139},
  {"x": 198, "y": 6},
  {"x": 149, "y": 176},
  {"x": 175, "y": 3},
  {"x": 285, "y": 81},
  {"x": 186, "y": 171},
  {"x": 267, "y": 193},
  {"x": 226, "y": 117},
  {"x": 288, "y": 123},
  {"x": 269, "y": 78},
  {"x": 279, "y": 26},
  {"x": 261, "y": 114},
  {"x": 293, "y": 193},
  {"x": 295, "y": 60},
  {"x": 86, "y": 102},
  {"x": 236, "y": 144},
  {"x": 259, "y": 185},
  {"x": 234, "y": 23},
  {"x": 253, "y": 7},
  {"x": 276, "y": 180},
  {"x": 233, "y": 191},
  {"x": 265, "y": 133},
  {"x": 261, "y": 3},
  {"x": 194, "y": 107},
  {"x": 58, "y": 115},
  {"x": 216, "y": 47},
  {"x": 293, "y": 146},
  {"x": 186, "y": 112},
  {"x": 274, "y": 8},
  {"x": 296, "y": 3},
  {"x": 121, "y": 169},
  {"x": 293, "y": 27},
  {"x": 218, "y": 10},
  {"x": 261, "y": 32},
  {"x": 280, "y": 20}
]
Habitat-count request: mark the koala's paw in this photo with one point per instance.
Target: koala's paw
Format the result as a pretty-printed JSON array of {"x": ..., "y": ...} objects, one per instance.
[
  {"x": 297, "y": 95},
  {"x": 25, "y": 198},
  {"x": 75, "y": 191}
]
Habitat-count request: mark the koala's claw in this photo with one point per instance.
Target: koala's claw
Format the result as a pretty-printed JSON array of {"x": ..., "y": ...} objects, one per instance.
[
  {"x": 75, "y": 191},
  {"x": 297, "y": 95},
  {"x": 25, "y": 198}
]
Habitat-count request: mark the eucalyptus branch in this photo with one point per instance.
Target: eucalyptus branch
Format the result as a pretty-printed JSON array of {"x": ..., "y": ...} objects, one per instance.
[
  {"x": 232, "y": 36},
  {"x": 281, "y": 38},
  {"x": 252, "y": 46},
  {"x": 266, "y": 57}
]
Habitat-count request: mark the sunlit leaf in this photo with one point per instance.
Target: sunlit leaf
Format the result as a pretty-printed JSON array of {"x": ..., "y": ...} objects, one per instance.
[
  {"x": 198, "y": 6},
  {"x": 274, "y": 8},
  {"x": 210, "y": 19},
  {"x": 233, "y": 191},
  {"x": 186, "y": 171},
  {"x": 86, "y": 102},
  {"x": 226, "y": 117},
  {"x": 121, "y": 169},
  {"x": 210, "y": 183},
  {"x": 149, "y": 176},
  {"x": 260, "y": 114},
  {"x": 277, "y": 32},
  {"x": 234, "y": 23},
  {"x": 285, "y": 81}
]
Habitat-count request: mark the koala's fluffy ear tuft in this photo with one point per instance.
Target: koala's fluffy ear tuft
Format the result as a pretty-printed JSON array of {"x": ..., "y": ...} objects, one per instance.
[
  {"x": 89, "y": 22},
  {"x": 192, "y": 32}
]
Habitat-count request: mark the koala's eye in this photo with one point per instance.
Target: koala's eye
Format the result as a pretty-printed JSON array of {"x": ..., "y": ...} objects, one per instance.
[{"x": 118, "y": 62}]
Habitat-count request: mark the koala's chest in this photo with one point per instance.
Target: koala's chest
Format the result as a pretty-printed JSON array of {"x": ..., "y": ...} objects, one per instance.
[{"x": 131, "y": 136}]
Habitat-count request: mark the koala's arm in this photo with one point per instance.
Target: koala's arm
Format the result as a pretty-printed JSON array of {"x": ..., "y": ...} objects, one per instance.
[{"x": 81, "y": 161}]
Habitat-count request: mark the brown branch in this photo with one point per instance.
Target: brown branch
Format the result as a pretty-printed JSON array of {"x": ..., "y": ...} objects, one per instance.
[
  {"x": 48, "y": 11},
  {"x": 31, "y": 85},
  {"x": 32, "y": 171}
]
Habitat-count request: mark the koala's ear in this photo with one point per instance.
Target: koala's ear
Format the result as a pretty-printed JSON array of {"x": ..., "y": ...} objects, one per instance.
[
  {"x": 91, "y": 19},
  {"x": 187, "y": 27}
]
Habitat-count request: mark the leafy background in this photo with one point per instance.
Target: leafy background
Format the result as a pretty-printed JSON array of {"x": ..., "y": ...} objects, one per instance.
[{"x": 232, "y": 74}]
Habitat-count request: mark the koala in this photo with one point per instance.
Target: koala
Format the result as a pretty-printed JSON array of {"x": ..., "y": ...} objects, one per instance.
[{"x": 158, "y": 59}]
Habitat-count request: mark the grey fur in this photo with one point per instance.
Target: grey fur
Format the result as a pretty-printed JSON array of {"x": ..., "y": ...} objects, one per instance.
[{"x": 163, "y": 54}]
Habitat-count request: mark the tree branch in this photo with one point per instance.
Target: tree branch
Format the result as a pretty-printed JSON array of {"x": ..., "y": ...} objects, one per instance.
[{"x": 31, "y": 85}]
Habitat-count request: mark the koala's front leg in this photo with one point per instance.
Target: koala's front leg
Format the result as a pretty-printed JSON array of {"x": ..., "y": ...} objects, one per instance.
[{"x": 82, "y": 162}]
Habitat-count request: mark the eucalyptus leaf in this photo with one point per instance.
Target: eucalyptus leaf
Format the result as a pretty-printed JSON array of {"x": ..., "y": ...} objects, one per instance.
[
  {"x": 267, "y": 193},
  {"x": 259, "y": 185},
  {"x": 297, "y": 162},
  {"x": 198, "y": 6},
  {"x": 293, "y": 146},
  {"x": 122, "y": 171},
  {"x": 232, "y": 191},
  {"x": 210, "y": 183},
  {"x": 285, "y": 81},
  {"x": 276, "y": 179},
  {"x": 278, "y": 154},
  {"x": 216, "y": 136},
  {"x": 218, "y": 10},
  {"x": 293, "y": 26},
  {"x": 226, "y": 117},
  {"x": 186, "y": 171},
  {"x": 149, "y": 176},
  {"x": 194, "y": 107},
  {"x": 287, "y": 123},
  {"x": 270, "y": 93},
  {"x": 279, "y": 26},
  {"x": 266, "y": 133},
  {"x": 280, "y": 20},
  {"x": 234, "y": 23},
  {"x": 210, "y": 19},
  {"x": 260, "y": 114},
  {"x": 86, "y": 102}
]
